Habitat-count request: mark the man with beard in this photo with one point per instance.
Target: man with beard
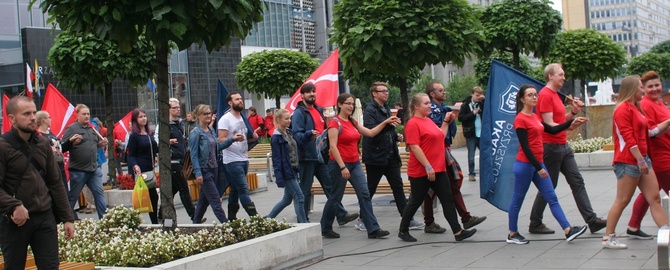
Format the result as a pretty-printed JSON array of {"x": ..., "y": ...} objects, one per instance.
[
  {"x": 235, "y": 157},
  {"x": 308, "y": 120},
  {"x": 28, "y": 192}
]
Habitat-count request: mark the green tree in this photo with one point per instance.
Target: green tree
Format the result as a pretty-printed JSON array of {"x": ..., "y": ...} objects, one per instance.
[
  {"x": 520, "y": 27},
  {"x": 274, "y": 73},
  {"x": 659, "y": 62},
  {"x": 83, "y": 60},
  {"x": 211, "y": 23},
  {"x": 663, "y": 47},
  {"x": 483, "y": 66},
  {"x": 587, "y": 55},
  {"x": 362, "y": 92},
  {"x": 459, "y": 88},
  {"x": 395, "y": 38}
]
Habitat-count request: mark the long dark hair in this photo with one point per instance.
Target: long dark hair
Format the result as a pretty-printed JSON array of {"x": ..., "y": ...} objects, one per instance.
[
  {"x": 135, "y": 127},
  {"x": 341, "y": 99},
  {"x": 520, "y": 95}
]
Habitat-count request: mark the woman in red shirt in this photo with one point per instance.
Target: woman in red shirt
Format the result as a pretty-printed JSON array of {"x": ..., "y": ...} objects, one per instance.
[
  {"x": 344, "y": 133},
  {"x": 427, "y": 167},
  {"x": 657, "y": 113},
  {"x": 632, "y": 167},
  {"x": 529, "y": 166}
]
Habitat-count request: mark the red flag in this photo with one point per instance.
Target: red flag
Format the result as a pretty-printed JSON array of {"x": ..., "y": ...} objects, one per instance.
[
  {"x": 6, "y": 125},
  {"x": 121, "y": 128},
  {"x": 30, "y": 77},
  {"x": 60, "y": 109},
  {"x": 325, "y": 80}
]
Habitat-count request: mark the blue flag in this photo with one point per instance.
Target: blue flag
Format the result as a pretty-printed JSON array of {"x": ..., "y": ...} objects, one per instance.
[
  {"x": 222, "y": 105},
  {"x": 499, "y": 144},
  {"x": 151, "y": 85}
]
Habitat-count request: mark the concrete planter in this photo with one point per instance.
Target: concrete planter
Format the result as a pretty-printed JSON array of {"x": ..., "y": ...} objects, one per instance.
[
  {"x": 285, "y": 249},
  {"x": 601, "y": 159}
]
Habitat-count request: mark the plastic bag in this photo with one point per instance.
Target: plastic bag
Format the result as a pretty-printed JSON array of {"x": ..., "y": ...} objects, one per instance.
[{"x": 141, "y": 199}]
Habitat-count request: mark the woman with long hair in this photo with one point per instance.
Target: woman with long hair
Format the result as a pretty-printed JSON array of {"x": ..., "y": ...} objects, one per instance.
[
  {"x": 427, "y": 167},
  {"x": 656, "y": 113},
  {"x": 632, "y": 166},
  {"x": 285, "y": 166},
  {"x": 529, "y": 166},
  {"x": 204, "y": 146},
  {"x": 142, "y": 150},
  {"x": 344, "y": 133}
]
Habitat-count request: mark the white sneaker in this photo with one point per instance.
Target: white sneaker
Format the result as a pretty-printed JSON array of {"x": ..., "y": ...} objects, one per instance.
[
  {"x": 415, "y": 225},
  {"x": 612, "y": 242},
  {"x": 360, "y": 226}
]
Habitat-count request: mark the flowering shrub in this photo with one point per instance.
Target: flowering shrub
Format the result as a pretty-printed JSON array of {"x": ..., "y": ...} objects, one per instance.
[
  {"x": 580, "y": 145},
  {"x": 117, "y": 240},
  {"x": 126, "y": 182}
]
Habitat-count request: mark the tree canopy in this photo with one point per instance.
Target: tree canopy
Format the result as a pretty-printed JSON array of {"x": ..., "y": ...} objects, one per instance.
[
  {"x": 659, "y": 62},
  {"x": 274, "y": 73},
  {"x": 520, "y": 27},
  {"x": 663, "y": 47},
  {"x": 395, "y": 38},
  {"x": 483, "y": 66}
]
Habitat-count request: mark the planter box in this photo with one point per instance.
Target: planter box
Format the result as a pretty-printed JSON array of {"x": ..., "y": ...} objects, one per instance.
[{"x": 285, "y": 249}]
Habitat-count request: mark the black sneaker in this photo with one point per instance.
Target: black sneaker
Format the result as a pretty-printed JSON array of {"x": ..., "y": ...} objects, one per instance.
[
  {"x": 598, "y": 225},
  {"x": 330, "y": 234},
  {"x": 348, "y": 218},
  {"x": 378, "y": 234},
  {"x": 639, "y": 234},
  {"x": 540, "y": 229},
  {"x": 575, "y": 232},
  {"x": 405, "y": 236},
  {"x": 517, "y": 239},
  {"x": 465, "y": 234}
]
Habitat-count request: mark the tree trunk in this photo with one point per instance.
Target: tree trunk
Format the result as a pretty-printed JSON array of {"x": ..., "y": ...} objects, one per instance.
[
  {"x": 111, "y": 158},
  {"x": 164, "y": 154},
  {"x": 515, "y": 58},
  {"x": 404, "y": 99},
  {"x": 277, "y": 103}
]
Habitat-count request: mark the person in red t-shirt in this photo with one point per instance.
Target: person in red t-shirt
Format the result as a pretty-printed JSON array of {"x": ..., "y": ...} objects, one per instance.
[
  {"x": 344, "y": 133},
  {"x": 632, "y": 167},
  {"x": 269, "y": 122},
  {"x": 656, "y": 113},
  {"x": 256, "y": 121},
  {"x": 529, "y": 166},
  {"x": 427, "y": 166}
]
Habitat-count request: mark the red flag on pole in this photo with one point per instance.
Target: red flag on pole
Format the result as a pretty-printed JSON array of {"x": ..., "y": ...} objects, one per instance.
[
  {"x": 121, "y": 128},
  {"x": 60, "y": 109},
  {"x": 6, "y": 125},
  {"x": 30, "y": 77},
  {"x": 325, "y": 80}
]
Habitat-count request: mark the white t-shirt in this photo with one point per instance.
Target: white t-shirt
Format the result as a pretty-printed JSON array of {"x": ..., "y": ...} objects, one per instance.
[{"x": 238, "y": 150}]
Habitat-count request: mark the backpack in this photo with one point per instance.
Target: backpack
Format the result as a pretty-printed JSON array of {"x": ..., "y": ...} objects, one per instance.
[{"x": 323, "y": 144}]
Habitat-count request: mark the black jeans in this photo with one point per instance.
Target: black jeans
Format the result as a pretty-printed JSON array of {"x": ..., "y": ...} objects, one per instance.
[
  {"x": 39, "y": 232},
  {"x": 392, "y": 173},
  {"x": 180, "y": 185},
  {"x": 442, "y": 189}
]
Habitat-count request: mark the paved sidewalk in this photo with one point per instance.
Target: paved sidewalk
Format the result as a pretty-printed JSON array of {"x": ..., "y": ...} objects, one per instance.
[{"x": 486, "y": 249}]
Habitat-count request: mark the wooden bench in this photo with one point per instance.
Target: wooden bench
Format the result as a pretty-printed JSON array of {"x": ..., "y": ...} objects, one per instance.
[
  {"x": 194, "y": 189},
  {"x": 30, "y": 264},
  {"x": 261, "y": 150}
]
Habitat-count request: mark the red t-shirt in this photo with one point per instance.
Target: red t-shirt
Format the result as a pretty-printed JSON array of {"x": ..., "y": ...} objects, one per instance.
[
  {"x": 255, "y": 121},
  {"x": 629, "y": 128},
  {"x": 319, "y": 124},
  {"x": 659, "y": 146},
  {"x": 347, "y": 141},
  {"x": 533, "y": 125},
  {"x": 548, "y": 101},
  {"x": 424, "y": 133}
]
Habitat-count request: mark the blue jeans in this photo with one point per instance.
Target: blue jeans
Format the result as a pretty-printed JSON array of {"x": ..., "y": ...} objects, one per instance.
[
  {"x": 209, "y": 195},
  {"x": 94, "y": 182},
  {"x": 236, "y": 174},
  {"x": 360, "y": 185},
  {"x": 524, "y": 173},
  {"x": 310, "y": 169},
  {"x": 473, "y": 145},
  {"x": 291, "y": 192}
]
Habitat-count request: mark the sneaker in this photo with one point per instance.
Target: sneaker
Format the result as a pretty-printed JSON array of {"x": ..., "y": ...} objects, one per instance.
[
  {"x": 517, "y": 239},
  {"x": 465, "y": 234},
  {"x": 639, "y": 234},
  {"x": 203, "y": 220},
  {"x": 378, "y": 234},
  {"x": 434, "y": 228},
  {"x": 406, "y": 237},
  {"x": 330, "y": 234},
  {"x": 598, "y": 225},
  {"x": 473, "y": 221},
  {"x": 612, "y": 242},
  {"x": 415, "y": 225},
  {"x": 360, "y": 225},
  {"x": 540, "y": 229},
  {"x": 472, "y": 178},
  {"x": 348, "y": 218},
  {"x": 575, "y": 232}
]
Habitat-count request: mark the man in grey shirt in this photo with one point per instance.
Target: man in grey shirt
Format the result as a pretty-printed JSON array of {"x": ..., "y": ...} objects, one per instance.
[{"x": 83, "y": 142}]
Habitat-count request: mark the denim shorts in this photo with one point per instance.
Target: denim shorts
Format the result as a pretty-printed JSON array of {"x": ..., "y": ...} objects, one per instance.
[{"x": 633, "y": 170}]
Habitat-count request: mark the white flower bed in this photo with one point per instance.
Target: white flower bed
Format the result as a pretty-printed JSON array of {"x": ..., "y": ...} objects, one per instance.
[{"x": 589, "y": 145}]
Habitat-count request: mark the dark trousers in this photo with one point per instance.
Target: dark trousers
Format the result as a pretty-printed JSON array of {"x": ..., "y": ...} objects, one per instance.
[
  {"x": 420, "y": 187},
  {"x": 180, "y": 185},
  {"x": 455, "y": 183},
  {"x": 560, "y": 158},
  {"x": 39, "y": 232},
  {"x": 392, "y": 173},
  {"x": 310, "y": 169},
  {"x": 209, "y": 195}
]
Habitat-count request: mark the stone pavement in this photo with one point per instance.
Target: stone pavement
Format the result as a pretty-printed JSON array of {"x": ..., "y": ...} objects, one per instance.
[{"x": 486, "y": 249}]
